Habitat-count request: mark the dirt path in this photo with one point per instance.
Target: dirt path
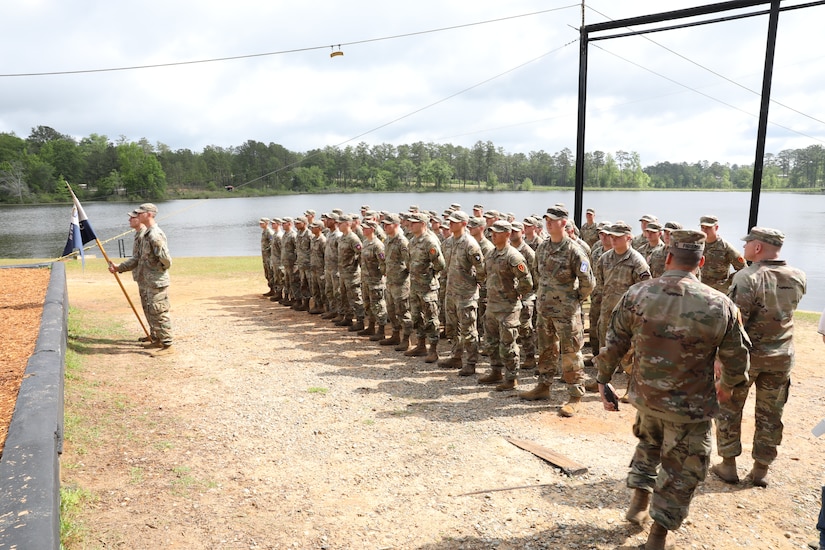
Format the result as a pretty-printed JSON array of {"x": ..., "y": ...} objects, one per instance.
[{"x": 274, "y": 429}]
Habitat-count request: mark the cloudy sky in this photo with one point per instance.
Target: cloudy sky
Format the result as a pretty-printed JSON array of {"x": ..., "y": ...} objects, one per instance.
[{"x": 506, "y": 72}]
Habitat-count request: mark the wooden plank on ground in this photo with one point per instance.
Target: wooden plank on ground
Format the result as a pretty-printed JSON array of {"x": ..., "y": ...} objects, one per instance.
[{"x": 566, "y": 465}]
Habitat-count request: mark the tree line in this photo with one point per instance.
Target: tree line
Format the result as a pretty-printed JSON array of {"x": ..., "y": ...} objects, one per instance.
[{"x": 34, "y": 169}]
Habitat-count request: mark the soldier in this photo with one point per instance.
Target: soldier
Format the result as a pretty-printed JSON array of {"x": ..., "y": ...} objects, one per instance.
[
  {"x": 266, "y": 253},
  {"x": 655, "y": 249},
  {"x": 490, "y": 217},
  {"x": 570, "y": 229},
  {"x": 289, "y": 255},
  {"x": 767, "y": 293},
  {"x": 639, "y": 242},
  {"x": 133, "y": 265},
  {"x": 332, "y": 285},
  {"x": 478, "y": 211},
  {"x": 426, "y": 261},
  {"x": 303, "y": 246},
  {"x": 349, "y": 273},
  {"x": 678, "y": 327},
  {"x": 447, "y": 241},
  {"x": 275, "y": 261},
  {"x": 154, "y": 264},
  {"x": 589, "y": 229},
  {"x": 595, "y": 312},
  {"x": 465, "y": 270},
  {"x": 526, "y": 329},
  {"x": 316, "y": 255},
  {"x": 476, "y": 227},
  {"x": 720, "y": 256},
  {"x": 565, "y": 280},
  {"x": 374, "y": 282},
  {"x": 508, "y": 279},
  {"x": 397, "y": 270},
  {"x": 310, "y": 216}
]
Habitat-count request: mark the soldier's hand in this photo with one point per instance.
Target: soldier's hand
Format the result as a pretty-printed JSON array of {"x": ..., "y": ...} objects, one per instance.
[
  {"x": 112, "y": 268},
  {"x": 608, "y": 406},
  {"x": 722, "y": 395}
]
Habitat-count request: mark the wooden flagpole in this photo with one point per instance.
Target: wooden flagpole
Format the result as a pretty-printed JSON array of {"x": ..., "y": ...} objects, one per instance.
[{"x": 117, "y": 278}]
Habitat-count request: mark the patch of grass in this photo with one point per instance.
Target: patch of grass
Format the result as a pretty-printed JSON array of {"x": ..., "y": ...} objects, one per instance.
[
  {"x": 809, "y": 316},
  {"x": 234, "y": 266},
  {"x": 72, "y": 500},
  {"x": 318, "y": 390},
  {"x": 163, "y": 445},
  {"x": 184, "y": 482},
  {"x": 135, "y": 475},
  {"x": 368, "y": 421}
]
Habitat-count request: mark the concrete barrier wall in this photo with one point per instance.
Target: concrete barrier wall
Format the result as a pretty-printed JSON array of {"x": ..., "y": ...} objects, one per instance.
[{"x": 29, "y": 468}]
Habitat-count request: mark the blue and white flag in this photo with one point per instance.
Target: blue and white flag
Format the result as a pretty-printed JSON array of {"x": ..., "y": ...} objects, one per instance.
[{"x": 80, "y": 230}]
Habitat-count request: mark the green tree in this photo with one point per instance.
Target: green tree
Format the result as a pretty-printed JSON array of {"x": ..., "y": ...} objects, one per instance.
[{"x": 141, "y": 172}]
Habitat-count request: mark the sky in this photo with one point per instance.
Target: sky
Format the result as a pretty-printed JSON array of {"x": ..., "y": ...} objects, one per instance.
[{"x": 441, "y": 71}]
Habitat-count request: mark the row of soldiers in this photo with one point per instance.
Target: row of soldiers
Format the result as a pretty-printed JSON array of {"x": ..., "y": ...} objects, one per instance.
[{"x": 489, "y": 284}]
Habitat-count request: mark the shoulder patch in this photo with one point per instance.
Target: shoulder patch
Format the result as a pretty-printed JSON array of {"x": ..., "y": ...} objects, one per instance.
[
  {"x": 358, "y": 246},
  {"x": 432, "y": 251},
  {"x": 740, "y": 259},
  {"x": 584, "y": 267},
  {"x": 522, "y": 268},
  {"x": 477, "y": 257}
]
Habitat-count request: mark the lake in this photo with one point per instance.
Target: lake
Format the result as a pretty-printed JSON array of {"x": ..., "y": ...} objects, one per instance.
[{"x": 229, "y": 227}]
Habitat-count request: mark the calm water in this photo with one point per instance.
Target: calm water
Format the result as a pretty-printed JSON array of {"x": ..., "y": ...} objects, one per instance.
[{"x": 229, "y": 227}]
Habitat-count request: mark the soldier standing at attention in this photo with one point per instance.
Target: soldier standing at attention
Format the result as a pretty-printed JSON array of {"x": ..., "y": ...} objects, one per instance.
[
  {"x": 349, "y": 273},
  {"x": 589, "y": 229},
  {"x": 275, "y": 261},
  {"x": 678, "y": 328},
  {"x": 465, "y": 270},
  {"x": 767, "y": 293},
  {"x": 426, "y": 261},
  {"x": 720, "y": 256},
  {"x": 266, "y": 252},
  {"x": 655, "y": 249},
  {"x": 476, "y": 227},
  {"x": 447, "y": 241},
  {"x": 397, "y": 270},
  {"x": 526, "y": 330},
  {"x": 508, "y": 279},
  {"x": 332, "y": 285},
  {"x": 303, "y": 263},
  {"x": 490, "y": 217},
  {"x": 565, "y": 280},
  {"x": 289, "y": 255},
  {"x": 317, "y": 281},
  {"x": 532, "y": 235},
  {"x": 639, "y": 242},
  {"x": 374, "y": 282},
  {"x": 595, "y": 312},
  {"x": 153, "y": 266}
]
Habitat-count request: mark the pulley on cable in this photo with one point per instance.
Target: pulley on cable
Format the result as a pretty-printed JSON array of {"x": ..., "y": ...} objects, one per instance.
[{"x": 336, "y": 53}]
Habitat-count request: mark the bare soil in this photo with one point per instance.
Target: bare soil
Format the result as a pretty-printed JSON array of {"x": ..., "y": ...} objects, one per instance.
[{"x": 272, "y": 428}]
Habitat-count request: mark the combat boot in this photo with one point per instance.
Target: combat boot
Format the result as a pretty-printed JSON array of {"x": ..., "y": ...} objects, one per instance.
[
  {"x": 657, "y": 539},
  {"x": 270, "y": 293},
  {"x": 345, "y": 321},
  {"x": 493, "y": 378},
  {"x": 541, "y": 391},
  {"x": 529, "y": 362},
  {"x": 451, "y": 363},
  {"x": 380, "y": 334},
  {"x": 420, "y": 350},
  {"x": 329, "y": 315},
  {"x": 759, "y": 474},
  {"x": 393, "y": 340},
  {"x": 165, "y": 349},
  {"x": 369, "y": 330},
  {"x": 154, "y": 344},
  {"x": 507, "y": 385},
  {"x": 637, "y": 512},
  {"x": 467, "y": 370},
  {"x": 569, "y": 409},
  {"x": 317, "y": 309},
  {"x": 357, "y": 326},
  {"x": 404, "y": 344},
  {"x": 300, "y": 305},
  {"x": 726, "y": 470},
  {"x": 276, "y": 298},
  {"x": 432, "y": 356}
]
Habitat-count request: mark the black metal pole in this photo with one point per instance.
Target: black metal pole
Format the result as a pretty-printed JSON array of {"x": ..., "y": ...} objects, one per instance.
[
  {"x": 767, "y": 78},
  {"x": 578, "y": 192}
]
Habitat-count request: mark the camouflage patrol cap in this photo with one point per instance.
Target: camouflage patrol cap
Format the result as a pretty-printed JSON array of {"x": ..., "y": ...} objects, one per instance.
[
  {"x": 276, "y": 220},
  {"x": 765, "y": 234},
  {"x": 262, "y": 220},
  {"x": 619, "y": 228},
  {"x": 670, "y": 226},
  {"x": 309, "y": 212},
  {"x": 418, "y": 217},
  {"x": 653, "y": 227},
  {"x": 344, "y": 218},
  {"x": 455, "y": 206},
  {"x": 557, "y": 212},
  {"x": 316, "y": 225},
  {"x": 530, "y": 221},
  {"x": 458, "y": 216},
  {"x": 391, "y": 218},
  {"x": 287, "y": 219},
  {"x": 433, "y": 214},
  {"x": 509, "y": 215},
  {"x": 133, "y": 214},
  {"x": 517, "y": 226},
  {"x": 589, "y": 211},
  {"x": 370, "y": 214},
  {"x": 371, "y": 224},
  {"x": 413, "y": 208},
  {"x": 491, "y": 214},
  {"x": 604, "y": 226},
  {"x": 354, "y": 216},
  {"x": 147, "y": 207},
  {"x": 365, "y": 207},
  {"x": 337, "y": 211},
  {"x": 300, "y": 219},
  {"x": 502, "y": 226},
  {"x": 687, "y": 239},
  {"x": 475, "y": 221},
  {"x": 708, "y": 220},
  {"x": 648, "y": 218},
  {"x": 478, "y": 207}
]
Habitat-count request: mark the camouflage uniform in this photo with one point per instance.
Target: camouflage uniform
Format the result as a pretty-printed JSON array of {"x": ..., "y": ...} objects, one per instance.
[
  {"x": 767, "y": 293},
  {"x": 318, "y": 282},
  {"x": 486, "y": 249},
  {"x": 720, "y": 256},
  {"x": 397, "y": 264},
  {"x": 615, "y": 273},
  {"x": 446, "y": 250},
  {"x": 275, "y": 264},
  {"x": 373, "y": 282},
  {"x": 133, "y": 264},
  {"x": 656, "y": 259},
  {"x": 565, "y": 280},
  {"x": 527, "y": 329},
  {"x": 349, "y": 273},
  {"x": 289, "y": 255},
  {"x": 464, "y": 272},
  {"x": 266, "y": 252},
  {"x": 332, "y": 285},
  {"x": 426, "y": 261},
  {"x": 304, "y": 263},
  {"x": 590, "y": 233},
  {"x": 508, "y": 279},
  {"x": 595, "y": 299},
  {"x": 678, "y": 327}
]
